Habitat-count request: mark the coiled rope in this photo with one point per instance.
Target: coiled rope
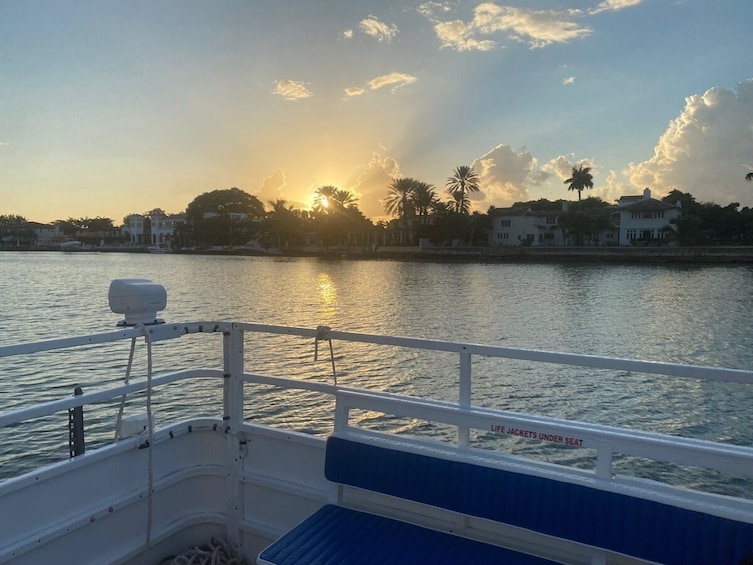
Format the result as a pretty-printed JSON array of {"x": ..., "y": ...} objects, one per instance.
[{"x": 216, "y": 552}]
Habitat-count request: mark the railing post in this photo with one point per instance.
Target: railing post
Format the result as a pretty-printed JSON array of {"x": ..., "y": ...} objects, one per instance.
[
  {"x": 603, "y": 460},
  {"x": 76, "y": 443},
  {"x": 234, "y": 442},
  {"x": 464, "y": 399}
]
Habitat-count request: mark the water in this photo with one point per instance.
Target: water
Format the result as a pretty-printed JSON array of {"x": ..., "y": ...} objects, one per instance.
[{"x": 688, "y": 314}]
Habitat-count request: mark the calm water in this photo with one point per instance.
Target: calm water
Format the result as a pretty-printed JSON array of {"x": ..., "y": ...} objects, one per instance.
[{"x": 698, "y": 315}]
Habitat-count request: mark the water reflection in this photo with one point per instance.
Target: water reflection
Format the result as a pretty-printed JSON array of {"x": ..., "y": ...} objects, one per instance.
[{"x": 327, "y": 295}]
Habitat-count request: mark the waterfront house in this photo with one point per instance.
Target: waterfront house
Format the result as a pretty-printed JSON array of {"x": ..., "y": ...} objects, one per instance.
[
  {"x": 134, "y": 227},
  {"x": 29, "y": 234},
  {"x": 643, "y": 220},
  {"x": 163, "y": 226},
  {"x": 634, "y": 220},
  {"x": 153, "y": 228},
  {"x": 521, "y": 225}
]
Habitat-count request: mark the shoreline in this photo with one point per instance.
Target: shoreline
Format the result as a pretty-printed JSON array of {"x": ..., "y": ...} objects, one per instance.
[{"x": 654, "y": 255}]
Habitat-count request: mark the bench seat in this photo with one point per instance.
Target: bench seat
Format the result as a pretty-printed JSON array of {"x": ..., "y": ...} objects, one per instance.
[
  {"x": 338, "y": 535},
  {"x": 580, "y": 512}
]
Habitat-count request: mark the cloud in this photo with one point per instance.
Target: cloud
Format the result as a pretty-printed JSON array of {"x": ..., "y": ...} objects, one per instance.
[
  {"x": 506, "y": 176},
  {"x": 460, "y": 37},
  {"x": 396, "y": 80},
  {"x": 291, "y": 90},
  {"x": 706, "y": 150},
  {"x": 568, "y": 80},
  {"x": 348, "y": 34},
  {"x": 377, "y": 29},
  {"x": 272, "y": 186},
  {"x": 429, "y": 9},
  {"x": 274, "y": 182},
  {"x": 371, "y": 184},
  {"x": 538, "y": 28},
  {"x": 614, "y": 6},
  {"x": 354, "y": 91}
]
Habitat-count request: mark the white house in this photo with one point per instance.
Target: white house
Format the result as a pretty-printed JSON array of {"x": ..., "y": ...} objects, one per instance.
[
  {"x": 163, "y": 226},
  {"x": 645, "y": 219},
  {"x": 135, "y": 225},
  {"x": 520, "y": 225},
  {"x": 151, "y": 229}
]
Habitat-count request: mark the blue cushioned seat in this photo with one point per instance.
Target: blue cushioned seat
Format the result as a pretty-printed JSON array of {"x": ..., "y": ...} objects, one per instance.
[
  {"x": 340, "y": 536},
  {"x": 623, "y": 524},
  {"x": 614, "y": 522}
]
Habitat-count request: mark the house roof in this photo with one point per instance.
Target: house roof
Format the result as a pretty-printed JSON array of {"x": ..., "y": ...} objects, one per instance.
[
  {"x": 524, "y": 211},
  {"x": 514, "y": 211},
  {"x": 649, "y": 204}
]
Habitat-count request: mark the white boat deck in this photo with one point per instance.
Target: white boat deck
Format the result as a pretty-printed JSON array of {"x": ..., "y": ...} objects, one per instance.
[{"x": 141, "y": 498}]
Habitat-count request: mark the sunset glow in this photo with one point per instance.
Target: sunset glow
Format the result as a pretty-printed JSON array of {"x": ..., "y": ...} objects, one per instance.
[{"x": 108, "y": 110}]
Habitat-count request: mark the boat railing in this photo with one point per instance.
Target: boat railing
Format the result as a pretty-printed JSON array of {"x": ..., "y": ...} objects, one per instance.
[
  {"x": 604, "y": 440},
  {"x": 462, "y": 415}
]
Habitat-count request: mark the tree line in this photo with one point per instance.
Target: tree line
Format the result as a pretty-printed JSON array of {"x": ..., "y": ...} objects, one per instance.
[{"x": 233, "y": 217}]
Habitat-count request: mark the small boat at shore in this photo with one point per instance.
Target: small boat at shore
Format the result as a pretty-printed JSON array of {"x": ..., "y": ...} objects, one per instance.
[
  {"x": 159, "y": 248},
  {"x": 70, "y": 245},
  {"x": 395, "y": 478}
]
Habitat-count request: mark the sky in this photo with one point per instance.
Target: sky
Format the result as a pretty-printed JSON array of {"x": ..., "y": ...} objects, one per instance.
[{"x": 115, "y": 107}]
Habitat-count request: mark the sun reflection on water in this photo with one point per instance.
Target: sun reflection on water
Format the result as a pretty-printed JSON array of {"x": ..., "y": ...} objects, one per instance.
[{"x": 327, "y": 294}]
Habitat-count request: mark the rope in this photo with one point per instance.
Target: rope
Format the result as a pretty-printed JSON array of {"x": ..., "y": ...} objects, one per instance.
[
  {"x": 216, "y": 552},
  {"x": 126, "y": 381},
  {"x": 150, "y": 438},
  {"x": 322, "y": 333}
]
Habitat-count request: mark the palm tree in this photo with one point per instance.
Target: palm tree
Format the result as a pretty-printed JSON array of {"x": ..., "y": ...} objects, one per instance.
[
  {"x": 463, "y": 181},
  {"x": 281, "y": 220},
  {"x": 399, "y": 200},
  {"x": 459, "y": 202},
  {"x": 423, "y": 198},
  {"x": 324, "y": 196},
  {"x": 580, "y": 179},
  {"x": 344, "y": 198},
  {"x": 749, "y": 177}
]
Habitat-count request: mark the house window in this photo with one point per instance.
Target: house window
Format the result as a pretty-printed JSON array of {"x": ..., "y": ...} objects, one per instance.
[
  {"x": 551, "y": 220},
  {"x": 504, "y": 223}
]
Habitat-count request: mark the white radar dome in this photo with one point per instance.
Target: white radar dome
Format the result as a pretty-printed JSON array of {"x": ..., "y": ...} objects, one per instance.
[{"x": 138, "y": 299}]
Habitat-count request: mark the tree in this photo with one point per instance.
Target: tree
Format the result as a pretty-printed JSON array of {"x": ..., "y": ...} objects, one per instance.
[
  {"x": 424, "y": 199},
  {"x": 399, "y": 201},
  {"x": 224, "y": 217},
  {"x": 324, "y": 196},
  {"x": 587, "y": 217},
  {"x": 337, "y": 217},
  {"x": 580, "y": 179},
  {"x": 463, "y": 181},
  {"x": 11, "y": 220},
  {"x": 284, "y": 222},
  {"x": 224, "y": 202}
]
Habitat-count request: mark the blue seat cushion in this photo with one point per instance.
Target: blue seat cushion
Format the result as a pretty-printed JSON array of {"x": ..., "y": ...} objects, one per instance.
[
  {"x": 336, "y": 535},
  {"x": 624, "y": 524}
]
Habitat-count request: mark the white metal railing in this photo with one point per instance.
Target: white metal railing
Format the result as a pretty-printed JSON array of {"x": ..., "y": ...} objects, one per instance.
[
  {"x": 605, "y": 440},
  {"x": 462, "y": 415}
]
